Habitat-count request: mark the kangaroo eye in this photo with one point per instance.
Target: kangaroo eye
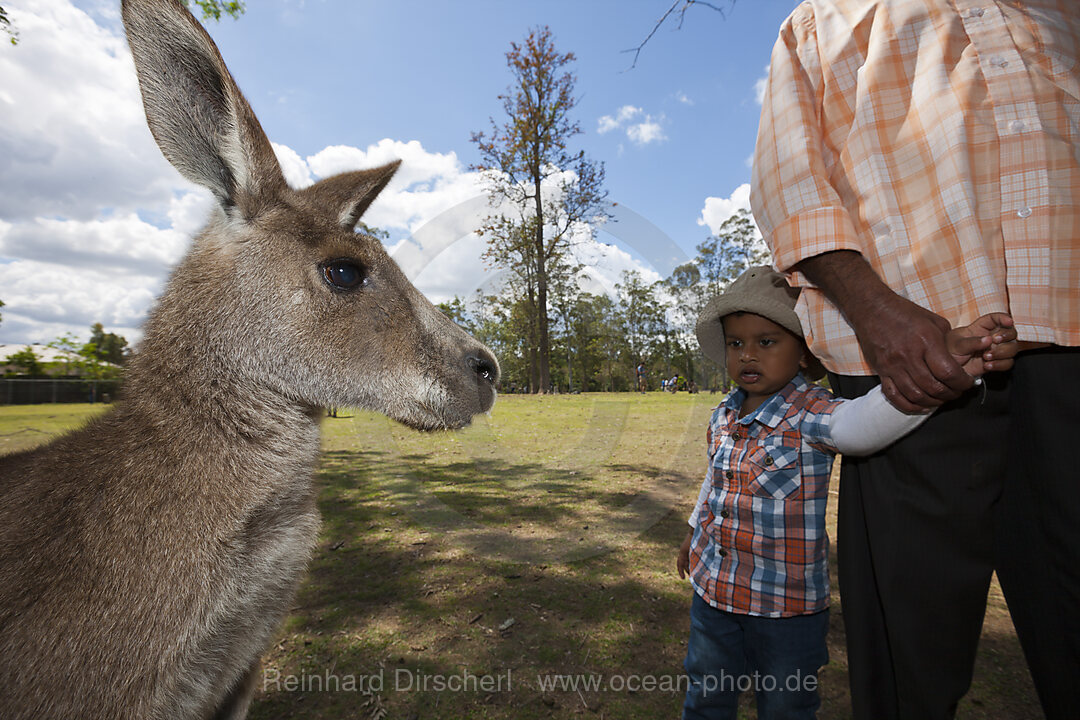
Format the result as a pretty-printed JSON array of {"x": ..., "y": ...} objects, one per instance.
[{"x": 344, "y": 274}]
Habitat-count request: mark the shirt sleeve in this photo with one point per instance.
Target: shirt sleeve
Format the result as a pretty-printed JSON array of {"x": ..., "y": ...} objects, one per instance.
[
  {"x": 702, "y": 498},
  {"x": 799, "y": 212}
]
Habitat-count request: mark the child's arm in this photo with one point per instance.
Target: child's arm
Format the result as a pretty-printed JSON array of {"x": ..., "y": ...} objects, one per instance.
[
  {"x": 682, "y": 560},
  {"x": 870, "y": 423}
]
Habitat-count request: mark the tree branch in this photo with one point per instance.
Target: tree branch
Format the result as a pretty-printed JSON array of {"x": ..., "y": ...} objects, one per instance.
[{"x": 686, "y": 5}]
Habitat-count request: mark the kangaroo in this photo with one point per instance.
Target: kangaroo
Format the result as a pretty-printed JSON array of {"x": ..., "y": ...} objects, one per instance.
[{"x": 147, "y": 559}]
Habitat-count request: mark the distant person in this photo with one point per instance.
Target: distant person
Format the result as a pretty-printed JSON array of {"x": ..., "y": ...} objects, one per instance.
[
  {"x": 757, "y": 551},
  {"x": 917, "y": 166},
  {"x": 641, "y": 384}
]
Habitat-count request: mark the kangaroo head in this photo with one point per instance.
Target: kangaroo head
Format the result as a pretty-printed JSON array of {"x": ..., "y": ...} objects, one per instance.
[{"x": 279, "y": 291}]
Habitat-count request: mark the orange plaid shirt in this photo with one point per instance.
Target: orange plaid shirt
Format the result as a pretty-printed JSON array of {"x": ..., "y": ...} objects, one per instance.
[{"x": 940, "y": 140}]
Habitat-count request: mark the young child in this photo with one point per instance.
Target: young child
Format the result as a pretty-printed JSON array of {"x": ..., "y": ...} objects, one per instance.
[{"x": 757, "y": 551}]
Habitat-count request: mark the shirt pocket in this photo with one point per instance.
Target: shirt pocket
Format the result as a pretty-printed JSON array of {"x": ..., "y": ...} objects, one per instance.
[{"x": 774, "y": 470}]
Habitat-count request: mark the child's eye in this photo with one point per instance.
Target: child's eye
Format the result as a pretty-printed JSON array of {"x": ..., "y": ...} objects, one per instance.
[
  {"x": 766, "y": 342},
  {"x": 734, "y": 343}
]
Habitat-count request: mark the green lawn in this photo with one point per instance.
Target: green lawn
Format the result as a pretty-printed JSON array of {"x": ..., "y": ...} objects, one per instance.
[{"x": 459, "y": 572}]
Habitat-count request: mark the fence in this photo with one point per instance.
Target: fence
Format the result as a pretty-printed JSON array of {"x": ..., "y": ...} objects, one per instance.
[{"x": 25, "y": 391}]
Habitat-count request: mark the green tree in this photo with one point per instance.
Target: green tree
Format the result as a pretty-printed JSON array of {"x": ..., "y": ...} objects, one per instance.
[
  {"x": 107, "y": 347},
  {"x": 26, "y": 359},
  {"x": 564, "y": 296},
  {"x": 5, "y": 23},
  {"x": 735, "y": 247},
  {"x": 591, "y": 323},
  {"x": 212, "y": 9},
  {"x": 456, "y": 310},
  {"x": 1, "y": 316},
  {"x": 71, "y": 350},
  {"x": 642, "y": 314},
  {"x": 527, "y": 162}
]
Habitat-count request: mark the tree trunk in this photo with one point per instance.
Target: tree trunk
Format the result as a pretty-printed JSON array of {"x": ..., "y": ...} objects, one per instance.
[{"x": 541, "y": 284}]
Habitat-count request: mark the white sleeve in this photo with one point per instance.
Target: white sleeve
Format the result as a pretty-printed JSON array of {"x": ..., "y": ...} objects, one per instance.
[
  {"x": 703, "y": 497},
  {"x": 869, "y": 423}
]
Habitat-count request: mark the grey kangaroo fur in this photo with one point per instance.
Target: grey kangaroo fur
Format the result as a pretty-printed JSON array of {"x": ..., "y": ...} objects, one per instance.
[{"x": 147, "y": 559}]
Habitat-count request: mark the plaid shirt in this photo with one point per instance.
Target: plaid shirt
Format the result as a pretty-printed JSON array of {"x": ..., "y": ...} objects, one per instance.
[
  {"x": 938, "y": 139},
  {"x": 759, "y": 545}
]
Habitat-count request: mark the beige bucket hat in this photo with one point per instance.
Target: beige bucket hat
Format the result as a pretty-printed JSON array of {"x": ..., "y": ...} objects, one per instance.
[{"x": 759, "y": 290}]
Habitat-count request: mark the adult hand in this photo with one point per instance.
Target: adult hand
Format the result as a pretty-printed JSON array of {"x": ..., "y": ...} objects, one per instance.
[
  {"x": 905, "y": 345},
  {"x": 903, "y": 342}
]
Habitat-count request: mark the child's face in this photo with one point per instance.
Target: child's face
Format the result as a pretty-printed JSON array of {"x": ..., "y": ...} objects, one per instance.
[{"x": 762, "y": 357}]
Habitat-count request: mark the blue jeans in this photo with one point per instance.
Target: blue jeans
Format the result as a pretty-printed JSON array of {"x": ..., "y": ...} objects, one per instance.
[{"x": 777, "y": 658}]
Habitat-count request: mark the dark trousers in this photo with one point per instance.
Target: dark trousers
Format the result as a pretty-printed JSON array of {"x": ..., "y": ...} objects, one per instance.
[{"x": 990, "y": 482}]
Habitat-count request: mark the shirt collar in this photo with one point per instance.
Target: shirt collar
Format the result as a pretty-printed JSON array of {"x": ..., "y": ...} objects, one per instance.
[{"x": 773, "y": 410}]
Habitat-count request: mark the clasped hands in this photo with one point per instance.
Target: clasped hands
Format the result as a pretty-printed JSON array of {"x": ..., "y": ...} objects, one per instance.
[{"x": 923, "y": 363}]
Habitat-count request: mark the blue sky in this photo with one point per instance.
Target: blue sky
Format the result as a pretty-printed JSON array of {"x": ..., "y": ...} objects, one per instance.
[{"x": 93, "y": 219}]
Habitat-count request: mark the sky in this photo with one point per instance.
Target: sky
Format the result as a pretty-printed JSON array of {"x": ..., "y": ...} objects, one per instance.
[{"x": 92, "y": 217}]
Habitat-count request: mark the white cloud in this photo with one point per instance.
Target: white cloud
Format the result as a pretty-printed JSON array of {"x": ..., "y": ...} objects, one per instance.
[
  {"x": 648, "y": 130},
  {"x": 92, "y": 217},
  {"x": 44, "y": 300},
  {"x": 74, "y": 136},
  {"x": 607, "y": 123},
  {"x": 717, "y": 210},
  {"x": 759, "y": 87},
  {"x": 683, "y": 98},
  {"x": 296, "y": 171}
]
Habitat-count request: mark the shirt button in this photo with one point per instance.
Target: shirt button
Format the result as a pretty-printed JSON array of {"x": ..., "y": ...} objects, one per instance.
[
  {"x": 736, "y": 436},
  {"x": 976, "y": 12},
  {"x": 1023, "y": 213},
  {"x": 1017, "y": 125},
  {"x": 728, "y": 474},
  {"x": 998, "y": 61},
  {"x": 724, "y": 513},
  {"x": 768, "y": 460},
  {"x": 722, "y": 552}
]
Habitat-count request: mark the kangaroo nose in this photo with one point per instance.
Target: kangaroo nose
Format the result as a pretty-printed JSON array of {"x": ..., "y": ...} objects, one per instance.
[{"x": 485, "y": 366}]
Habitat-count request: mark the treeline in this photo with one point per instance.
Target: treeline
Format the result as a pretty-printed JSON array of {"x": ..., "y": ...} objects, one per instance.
[
  {"x": 598, "y": 341},
  {"x": 100, "y": 358}
]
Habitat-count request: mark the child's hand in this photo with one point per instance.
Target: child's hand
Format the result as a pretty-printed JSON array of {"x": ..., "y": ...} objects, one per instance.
[
  {"x": 682, "y": 562},
  {"x": 986, "y": 345}
]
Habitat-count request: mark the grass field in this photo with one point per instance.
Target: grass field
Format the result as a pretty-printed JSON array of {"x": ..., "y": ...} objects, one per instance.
[{"x": 467, "y": 575}]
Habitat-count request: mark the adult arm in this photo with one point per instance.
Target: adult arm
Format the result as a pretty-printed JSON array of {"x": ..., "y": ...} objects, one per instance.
[
  {"x": 810, "y": 231},
  {"x": 903, "y": 342}
]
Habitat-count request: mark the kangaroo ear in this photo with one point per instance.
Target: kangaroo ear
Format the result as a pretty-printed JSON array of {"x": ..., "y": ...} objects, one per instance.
[
  {"x": 351, "y": 193},
  {"x": 199, "y": 118}
]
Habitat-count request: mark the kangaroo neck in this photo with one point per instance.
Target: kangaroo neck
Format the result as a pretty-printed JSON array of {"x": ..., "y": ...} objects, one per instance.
[{"x": 199, "y": 397}]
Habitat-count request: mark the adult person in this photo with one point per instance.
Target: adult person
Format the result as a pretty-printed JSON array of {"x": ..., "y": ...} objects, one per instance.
[{"x": 916, "y": 167}]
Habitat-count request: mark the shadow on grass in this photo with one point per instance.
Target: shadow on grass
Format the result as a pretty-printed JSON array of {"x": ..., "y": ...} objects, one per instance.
[
  {"x": 484, "y": 505},
  {"x": 398, "y": 590}
]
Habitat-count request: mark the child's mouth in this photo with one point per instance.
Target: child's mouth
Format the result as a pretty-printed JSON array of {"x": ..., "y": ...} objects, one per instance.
[{"x": 750, "y": 376}]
